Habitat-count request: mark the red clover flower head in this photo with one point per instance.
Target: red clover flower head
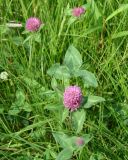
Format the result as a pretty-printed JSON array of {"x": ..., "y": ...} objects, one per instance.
[
  {"x": 33, "y": 24},
  {"x": 79, "y": 141},
  {"x": 78, "y": 11},
  {"x": 72, "y": 97}
]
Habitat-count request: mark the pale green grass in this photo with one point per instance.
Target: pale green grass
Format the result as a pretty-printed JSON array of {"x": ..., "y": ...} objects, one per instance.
[{"x": 105, "y": 52}]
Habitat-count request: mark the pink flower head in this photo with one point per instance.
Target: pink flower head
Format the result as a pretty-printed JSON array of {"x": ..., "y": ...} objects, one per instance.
[
  {"x": 33, "y": 24},
  {"x": 72, "y": 97},
  {"x": 78, "y": 11},
  {"x": 79, "y": 141}
]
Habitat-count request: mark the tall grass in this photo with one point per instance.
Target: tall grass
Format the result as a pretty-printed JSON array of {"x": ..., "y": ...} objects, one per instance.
[{"x": 29, "y": 135}]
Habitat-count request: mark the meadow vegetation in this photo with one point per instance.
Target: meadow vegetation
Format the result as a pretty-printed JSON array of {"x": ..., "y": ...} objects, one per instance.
[{"x": 33, "y": 122}]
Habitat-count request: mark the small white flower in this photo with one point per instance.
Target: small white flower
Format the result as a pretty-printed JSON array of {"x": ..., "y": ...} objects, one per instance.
[
  {"x": 14, "y": 25},
  {"x": 4, "y": 75}
]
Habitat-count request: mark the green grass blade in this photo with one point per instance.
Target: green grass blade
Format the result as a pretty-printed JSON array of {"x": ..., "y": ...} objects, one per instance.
[
  {"x": 120, "y": 34},
  {"x": 121, "y": 9}
]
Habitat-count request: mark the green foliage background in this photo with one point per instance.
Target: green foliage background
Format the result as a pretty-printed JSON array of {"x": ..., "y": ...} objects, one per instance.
[{"x": 102, "y": 41}]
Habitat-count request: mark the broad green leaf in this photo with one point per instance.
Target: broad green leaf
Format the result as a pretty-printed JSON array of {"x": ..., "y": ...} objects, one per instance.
[
  {"x": 59, "y": 93},
  {"x": 59, "y": 72},
  {"x": 92, "y": 100},
  {"x": 65, "y": 154},
  {"x": 89, "y": 78},
  {"x": 120, "y": 34},
  {"x": 65, "y": 114},
  {"x": 14, "y": 109},
  {"x": 73, "y": 59},
  {"x": 20, "y": 97},
  {"x": 78, "y": 118},
  {"x": 121, "y": 9},
  {"x": 27, "y": 107},
  {"x": 53, "y": 107},
  {"x": 87, "y": 138},
  {"x": 51, "y": 71},
  {"x": 62, "y": 139},
  {"x": 19, "y": 102},
  {"x": 62, "y": 72}
]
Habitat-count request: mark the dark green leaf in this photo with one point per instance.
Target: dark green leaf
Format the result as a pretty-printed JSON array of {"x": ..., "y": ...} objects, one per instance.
[
  {"x": 87, "y": 138},
  {"x": 73, "y": 59},
  {"x": 92, "y": 100},
  {"x": 78, "y": 119},
  {"x": 51, "y": 71},
  {"x": 89, "y": 78},
  {"x": 62, "y": 72},
  {"x": 62, "y": 139},
  {"x": 65, "y": 154}
]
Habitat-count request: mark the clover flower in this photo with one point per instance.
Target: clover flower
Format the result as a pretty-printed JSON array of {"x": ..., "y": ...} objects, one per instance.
[
  {"x": 72, "y": 97},
  {"x": 4, "y": 76},
  {"x": 33, "y": 24},
  {"x": 78, "y": 11},
  {"x": 79, "y": 141}
]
